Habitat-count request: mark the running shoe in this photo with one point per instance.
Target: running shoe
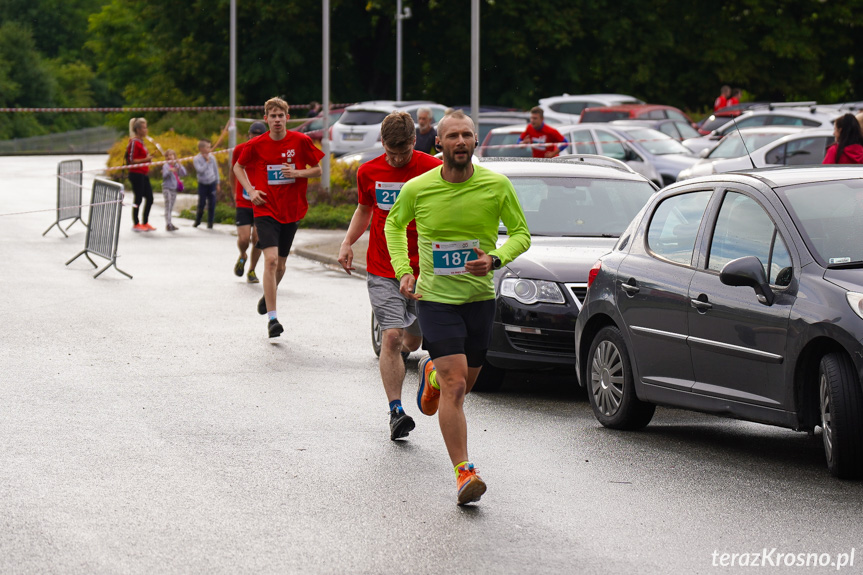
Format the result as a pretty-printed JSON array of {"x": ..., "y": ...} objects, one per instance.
[
  {"x": 400, "y": 424},
  {"x": 427, "y": 396},
  {"x": 252, "y": 277},
  {"x": 139, "y": 228},
  {"x": 239, "y": 267},
  {"x": 262, "y": 306},
  {"x": 470, "y": 485},
  {"x": 275, "y": 328},
  {"x": 148, "y": 228}
]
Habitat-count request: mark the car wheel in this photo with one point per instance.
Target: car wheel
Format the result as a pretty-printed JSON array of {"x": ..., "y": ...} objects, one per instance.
[
  {"x": 490, "y": 378},
  {"x": 611, "y": 388},
  {"x": 841, "y": 403},
  {"x": 377, "y": 335}
]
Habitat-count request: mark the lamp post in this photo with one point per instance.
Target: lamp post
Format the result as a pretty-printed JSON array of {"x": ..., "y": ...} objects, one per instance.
[{"x": 400, "y": 15}]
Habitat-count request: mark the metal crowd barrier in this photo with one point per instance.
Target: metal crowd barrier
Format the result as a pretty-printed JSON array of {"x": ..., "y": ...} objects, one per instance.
[
  {"x": 103, "y": 233},
  {"x": 70, "y": 178}
]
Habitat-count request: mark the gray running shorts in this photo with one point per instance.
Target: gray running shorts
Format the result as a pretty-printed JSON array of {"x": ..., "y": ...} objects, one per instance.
[{"x": 392, "y": 309}]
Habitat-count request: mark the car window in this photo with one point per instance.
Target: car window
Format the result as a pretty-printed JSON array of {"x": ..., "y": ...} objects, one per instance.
[
  {"x": 438, "y": 114},
  {"x": 743, "y": 228},
  {"x": 674, "y": 226},
  {"x": 732, "y": 146},
  {"x": 676, "y": 115},
  {"x": 804, "y": 151},
  {"x": 780, "y": 120},
  {"x": 714, "y": 124},
  {"x": 747, "y": 122},
  {"x": 654, "y": 115},
  {"x": 776, "y": 156},
  {"x": 829, "y": 215},
  {"x": 611, "y": 145},
  {"x": 568, "y": 206},
  {"x": 669, "y": 129},
  {"x": 583, "y": 142},
  {"x": 503, "y": 144},
  {"x": 572, "y": 107},
  {"x": 598, "y": 116},
  {"x": 362, "y": 118},
  {"x": 686, "y": 131},
  {"x": 656, "y": 143}
]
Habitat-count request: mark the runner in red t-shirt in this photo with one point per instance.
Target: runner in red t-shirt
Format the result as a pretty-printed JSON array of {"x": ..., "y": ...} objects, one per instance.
[
  {"x": 279, "y": 164},
  {"x": 245, "y": 217},
  {"x": 722, "y": 100},
  {"x": 136, "y": 153},
  {"x": 538, "y": 132},
  {"x": 379, "y": 182}
]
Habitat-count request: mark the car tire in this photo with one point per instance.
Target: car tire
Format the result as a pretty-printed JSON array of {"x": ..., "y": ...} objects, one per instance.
[
  {"x": 610, "y": 385},
  {"x": 490, "y": 378},
  {"x": 841, "y": 404},
  {"x": 377, "y": 335}
]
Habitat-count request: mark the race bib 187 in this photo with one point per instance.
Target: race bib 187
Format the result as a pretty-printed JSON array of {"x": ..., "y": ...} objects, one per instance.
[
  {"x": 275, "y": 177},
  {"x": 386, "y": 194},
  {"x": 449, "y": 257}
]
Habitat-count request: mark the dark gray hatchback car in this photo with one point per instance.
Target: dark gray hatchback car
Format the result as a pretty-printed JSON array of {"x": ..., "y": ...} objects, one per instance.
[{"x": 739, "y": 294}]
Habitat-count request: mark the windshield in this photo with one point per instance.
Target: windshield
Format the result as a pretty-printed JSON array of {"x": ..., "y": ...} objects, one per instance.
[
  {"x": 829, "y": 216},
  {"x": 715, "y": 122},
  {"x": 731, "y": 145},
  {"x": 362, "y": 118},
  {"x": 657, "y": 143},
  {"x": 597, "y": 116},
  {"x": 503, "y": 144},
  {"x": 556, "y": 206}
]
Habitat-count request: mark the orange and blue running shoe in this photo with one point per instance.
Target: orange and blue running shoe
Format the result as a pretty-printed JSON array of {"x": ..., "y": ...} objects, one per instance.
[
  {"x": 427, "y": 395},
  {"x": 470, "y": 485}
]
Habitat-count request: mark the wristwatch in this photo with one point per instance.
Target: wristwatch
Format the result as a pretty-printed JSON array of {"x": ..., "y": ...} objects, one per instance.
[{"x": 495, "y": 262}]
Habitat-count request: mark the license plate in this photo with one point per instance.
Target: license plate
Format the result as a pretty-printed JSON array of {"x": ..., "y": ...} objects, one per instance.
[{"x": 350, "y": 137}]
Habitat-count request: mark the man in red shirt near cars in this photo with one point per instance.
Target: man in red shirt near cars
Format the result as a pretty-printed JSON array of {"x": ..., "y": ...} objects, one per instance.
[
  {"x": 245, "y": 216},
  {"x": 722, "y": 100},
  {"x": 280, "y": 163},
  {"x": 538, "y": 132},
  {"x": 379, "y": 182}
]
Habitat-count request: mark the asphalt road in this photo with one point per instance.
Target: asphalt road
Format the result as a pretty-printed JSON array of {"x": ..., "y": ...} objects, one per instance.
[{"x": 150, "y": 426}]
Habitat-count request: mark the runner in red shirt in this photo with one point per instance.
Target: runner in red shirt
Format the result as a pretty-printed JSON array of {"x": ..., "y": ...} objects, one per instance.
[
  {"x": 538, "y": 132},
  {"x": 279, "y": 164},
  {"x": 136, "y": 153},
  {"x": 722, "y": 100},
  {"x": 245, "y": 217},
  {"x": 379, "y": 182}
]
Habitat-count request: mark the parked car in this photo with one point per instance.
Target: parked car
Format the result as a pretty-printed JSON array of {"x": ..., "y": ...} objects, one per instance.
[
  {"x": 490, "y": 120},
  {"x": 656, "y": 156},
  {"x": 634, "y": 112},
  {"x": 812, "y": 117},
  {"x": 314, "y": 127},
  {"x": 566, "y": 109},
  {"x": 502, "y": 142},
  {"x": 724, "y": 115},
  {"x": 735, "y": 150},
  {"x": 360, "y": 125},
  {"x": 678, "y": 129},
  {"x": 741, "y": 295},
  {"x": 575, "y": 208}
]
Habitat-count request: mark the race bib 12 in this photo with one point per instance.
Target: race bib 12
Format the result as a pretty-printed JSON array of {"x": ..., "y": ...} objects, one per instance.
[
  {"x": 275, "y": 177},
  {"x": 449, "y": 257}
]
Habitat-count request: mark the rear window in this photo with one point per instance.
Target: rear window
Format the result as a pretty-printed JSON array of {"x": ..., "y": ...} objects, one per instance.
[
  {"x": 504, "y": 145},
  {"x": 362, "y": 118},
  {"x": 711, "y": 124},
  {"x": 597, "y": 116}
]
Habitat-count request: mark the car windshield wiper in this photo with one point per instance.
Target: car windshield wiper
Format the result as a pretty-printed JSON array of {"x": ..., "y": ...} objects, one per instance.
[{"x": 845, "y": 266}]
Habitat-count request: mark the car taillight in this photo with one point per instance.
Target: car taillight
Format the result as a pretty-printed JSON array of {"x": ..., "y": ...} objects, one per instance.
[
  {"x": 594, "y": 271},
  {"x": 330, "y": 134}
]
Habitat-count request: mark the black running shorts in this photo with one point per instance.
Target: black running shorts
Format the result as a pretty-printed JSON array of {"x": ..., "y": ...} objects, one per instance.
[
  {"x": 450, "y": 329},
  {"x": 245, "y": 217},
  {"x": 272, "y": 233}
]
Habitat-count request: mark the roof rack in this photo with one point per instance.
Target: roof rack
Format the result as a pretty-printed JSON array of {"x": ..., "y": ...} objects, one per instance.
[
  {"x": 774, "y": 105},
  {"x": 594, "y": 160}
]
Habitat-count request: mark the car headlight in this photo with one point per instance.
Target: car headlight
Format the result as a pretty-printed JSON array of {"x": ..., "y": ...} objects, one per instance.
[
  {"x": 855, "y": 300},
  {"x": 531, "y": 291}
]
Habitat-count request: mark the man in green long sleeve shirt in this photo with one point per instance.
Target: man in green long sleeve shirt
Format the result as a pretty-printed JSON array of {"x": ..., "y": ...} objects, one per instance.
[{"x": 457, "y": 209}]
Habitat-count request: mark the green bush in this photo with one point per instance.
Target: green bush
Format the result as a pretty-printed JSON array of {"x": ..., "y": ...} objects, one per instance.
[{"x": 320, "y": 216}]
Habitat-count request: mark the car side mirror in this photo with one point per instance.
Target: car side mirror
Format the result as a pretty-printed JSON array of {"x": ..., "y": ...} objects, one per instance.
[
  {"x": 703, "y": 153},
  {"x": 631, "y": 156},
  {"x": 748, "y": 271}
]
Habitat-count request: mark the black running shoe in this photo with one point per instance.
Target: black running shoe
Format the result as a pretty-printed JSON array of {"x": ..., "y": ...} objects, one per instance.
[
  {"x": 400, "y": 424},
  {"x": 262, "y": 306},
  {"x": 275, "y": 329}
]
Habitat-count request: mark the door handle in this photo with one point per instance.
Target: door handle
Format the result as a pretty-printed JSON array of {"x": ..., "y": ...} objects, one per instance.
[
  {"x": 630, "y": 289},
  {"x": 701, "y": 305}
]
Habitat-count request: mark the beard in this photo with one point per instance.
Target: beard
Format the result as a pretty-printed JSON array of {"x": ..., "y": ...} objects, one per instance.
[{"x": 450, "y": 160}]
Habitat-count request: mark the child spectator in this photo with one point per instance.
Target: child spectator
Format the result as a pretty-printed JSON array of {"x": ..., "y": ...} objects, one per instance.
[
  {"x": 172, "y": 171},
  {"x": 207, "y": 170}
]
